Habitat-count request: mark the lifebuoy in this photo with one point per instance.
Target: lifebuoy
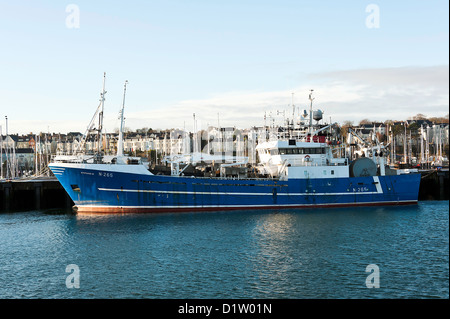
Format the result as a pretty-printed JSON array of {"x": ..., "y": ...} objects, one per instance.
[{"x": 307, "y": 158}]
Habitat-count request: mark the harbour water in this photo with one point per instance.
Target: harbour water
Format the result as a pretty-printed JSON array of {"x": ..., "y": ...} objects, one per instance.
[{"x": 288, "y": 254}]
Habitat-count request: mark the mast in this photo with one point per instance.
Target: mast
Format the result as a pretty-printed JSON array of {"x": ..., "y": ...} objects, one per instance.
[
  {"x": 91, "y": 125},
  {"x": 195, "y": 137},
  {"x": 293, "y": 113},
  {"x": 120, "y": 143},
  {"x": 422, "y": 155},
  {"x": 310, "y": 116},
  {"x": 36, "y": 155},
  {"x": 100, "y": 116},
  {"x": 404, "y": 146}
]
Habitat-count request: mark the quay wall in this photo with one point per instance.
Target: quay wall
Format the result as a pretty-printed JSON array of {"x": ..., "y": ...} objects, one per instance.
[
  {"x": 40, "y": 193},
  {"x": 434, "y": 185}
]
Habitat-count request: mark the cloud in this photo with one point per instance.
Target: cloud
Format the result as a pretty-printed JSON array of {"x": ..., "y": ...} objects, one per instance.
[
  {"x": 392, "y": 93},
  {"x": 241, "y": 109},
  {"x": 376, "y": 94}
]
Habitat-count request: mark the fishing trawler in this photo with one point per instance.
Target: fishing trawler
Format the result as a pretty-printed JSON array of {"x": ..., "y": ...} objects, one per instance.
[{"x": 291, "y": 173}]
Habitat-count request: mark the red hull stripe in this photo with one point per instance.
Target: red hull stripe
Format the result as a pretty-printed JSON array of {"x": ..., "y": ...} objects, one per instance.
[{"x": 135, "y": 209}]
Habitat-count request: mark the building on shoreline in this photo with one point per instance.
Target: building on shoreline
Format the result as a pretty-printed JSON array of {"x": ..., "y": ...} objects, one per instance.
[{"x": 411, "y": 141}]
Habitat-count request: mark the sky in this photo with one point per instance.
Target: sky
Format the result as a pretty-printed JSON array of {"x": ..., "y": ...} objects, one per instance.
[{"x": 229, "y": 62}]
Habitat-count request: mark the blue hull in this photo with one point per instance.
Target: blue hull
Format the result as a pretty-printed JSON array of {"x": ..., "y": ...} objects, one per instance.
[{"x": 94, "y": 190}]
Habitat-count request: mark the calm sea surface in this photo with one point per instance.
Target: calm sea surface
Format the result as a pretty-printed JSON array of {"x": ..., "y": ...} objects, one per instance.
[{"x": 320, "y": 253}]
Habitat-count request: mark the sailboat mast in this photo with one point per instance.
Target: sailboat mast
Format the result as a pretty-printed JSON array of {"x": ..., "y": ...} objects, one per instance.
[{"x": 293, "y": 113}]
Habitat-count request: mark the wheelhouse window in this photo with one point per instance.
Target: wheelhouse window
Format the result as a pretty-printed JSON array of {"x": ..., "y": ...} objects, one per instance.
[{"x": 295, "y": 151}]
